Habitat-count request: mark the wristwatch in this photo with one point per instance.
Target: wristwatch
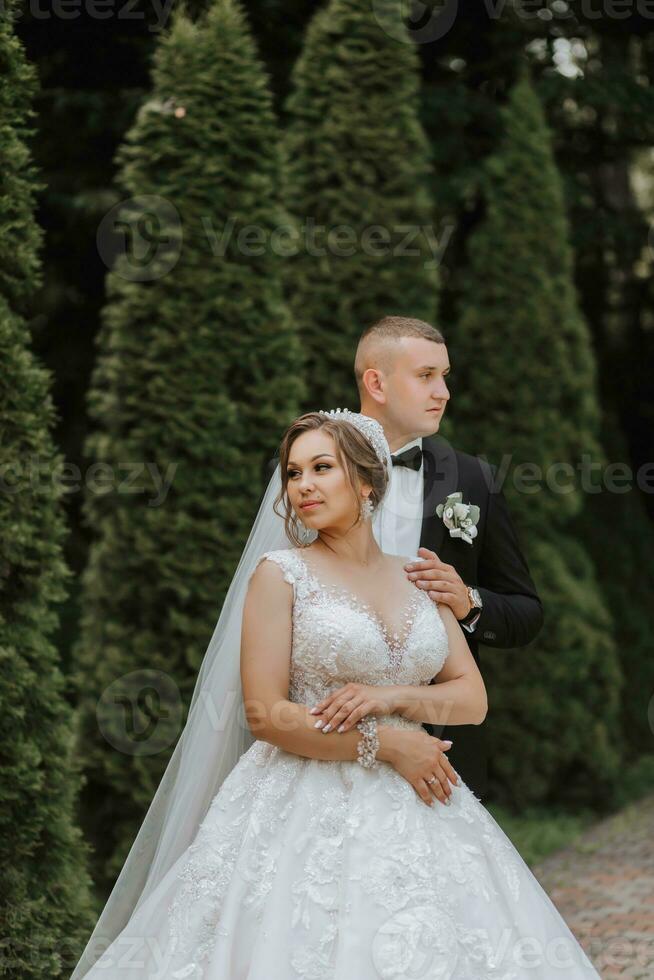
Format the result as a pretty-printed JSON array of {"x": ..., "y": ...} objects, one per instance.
[{"x": 470, "y": 621}]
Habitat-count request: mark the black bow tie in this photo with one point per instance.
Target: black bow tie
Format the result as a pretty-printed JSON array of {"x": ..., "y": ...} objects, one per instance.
[{"x": 411, "y": 457}]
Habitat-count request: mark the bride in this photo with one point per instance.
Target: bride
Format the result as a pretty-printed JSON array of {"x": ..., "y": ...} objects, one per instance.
[{"x": 327, "y": 836}]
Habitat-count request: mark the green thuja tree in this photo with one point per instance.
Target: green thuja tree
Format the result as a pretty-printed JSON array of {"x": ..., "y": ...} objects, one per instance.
[
  {"x": 20, "y": 236},
  {"x": 197, "y": 375},
  {"x": 620, "y": 538},
  {"x": 358, "y": 166},
  {"x": 45, "y": 906},
  {"x": 526, "y": 398}
]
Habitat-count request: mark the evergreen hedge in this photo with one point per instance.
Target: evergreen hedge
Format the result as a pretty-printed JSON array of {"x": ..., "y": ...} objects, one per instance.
[
  {"x": 358, "y": 160},
  {"x": 528, "y": 395},
  {"x": 45, "y": 903},
  {"x": 198, "y": 369}
]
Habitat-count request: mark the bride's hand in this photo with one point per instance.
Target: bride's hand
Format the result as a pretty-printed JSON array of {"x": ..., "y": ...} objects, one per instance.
[
  {"x": 343, "y": 708},
  {"x": 419, "y": 757}
]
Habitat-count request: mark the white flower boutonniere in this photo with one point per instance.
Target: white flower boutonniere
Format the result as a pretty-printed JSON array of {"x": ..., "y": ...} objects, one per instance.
[{"x": 459, "y": 518}]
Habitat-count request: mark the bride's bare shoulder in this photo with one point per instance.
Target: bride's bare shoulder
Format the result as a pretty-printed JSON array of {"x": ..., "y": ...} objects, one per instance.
[{"x": 398, "y": 561}]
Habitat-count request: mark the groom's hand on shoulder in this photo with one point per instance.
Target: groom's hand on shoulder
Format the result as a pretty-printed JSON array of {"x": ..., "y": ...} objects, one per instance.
[{"x": 440, "y": 581}]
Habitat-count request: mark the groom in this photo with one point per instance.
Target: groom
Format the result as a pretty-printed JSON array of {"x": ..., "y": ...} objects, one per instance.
[{"x": 401, "y": 368}]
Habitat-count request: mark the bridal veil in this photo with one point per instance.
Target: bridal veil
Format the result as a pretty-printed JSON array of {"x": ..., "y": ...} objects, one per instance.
[{"x": 216, "y": 734}]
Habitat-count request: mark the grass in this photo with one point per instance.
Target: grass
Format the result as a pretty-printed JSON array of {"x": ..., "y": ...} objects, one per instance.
[{"x": 539, "y": 831}]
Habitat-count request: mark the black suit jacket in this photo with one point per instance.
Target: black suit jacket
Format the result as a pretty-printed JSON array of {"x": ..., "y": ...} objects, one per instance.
[{"x": 512, "y": 613}]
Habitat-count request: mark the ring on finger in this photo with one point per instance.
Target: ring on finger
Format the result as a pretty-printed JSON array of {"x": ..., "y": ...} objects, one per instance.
[{"x": 447, "y": 799}]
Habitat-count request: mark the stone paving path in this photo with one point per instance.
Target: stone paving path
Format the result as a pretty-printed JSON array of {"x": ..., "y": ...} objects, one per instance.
[{"x": 603, "y": 886}]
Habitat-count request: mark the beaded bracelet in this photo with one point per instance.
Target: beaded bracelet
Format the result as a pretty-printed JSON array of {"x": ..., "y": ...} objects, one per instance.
[{"x": 368, "y": 743}]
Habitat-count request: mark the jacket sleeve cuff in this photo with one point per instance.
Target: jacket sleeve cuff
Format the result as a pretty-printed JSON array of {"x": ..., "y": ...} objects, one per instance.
[{"x": 470, "y": 627}]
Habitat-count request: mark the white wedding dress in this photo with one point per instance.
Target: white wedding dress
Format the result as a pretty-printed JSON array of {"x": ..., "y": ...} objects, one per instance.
[{"x": 306, "y": 869}]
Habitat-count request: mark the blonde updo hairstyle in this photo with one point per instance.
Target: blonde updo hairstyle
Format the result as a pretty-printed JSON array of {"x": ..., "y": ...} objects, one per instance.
[{"x": 353, "y": 451}]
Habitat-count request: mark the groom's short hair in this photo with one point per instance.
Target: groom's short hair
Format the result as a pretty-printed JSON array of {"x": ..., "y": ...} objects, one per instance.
[{"x": 390, "y": 328}]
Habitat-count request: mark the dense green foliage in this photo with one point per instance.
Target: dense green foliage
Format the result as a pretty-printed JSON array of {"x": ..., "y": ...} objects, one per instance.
[
  {"x": 197, "y": 374},
  {"x": 522, "y": 350},
  {"x": 357, "y": 169},
  {"x": 522, "y": 347},
  {"x": 620, "y": 538},
  {"x": 44, "y": 885},
  {"x": 20, "y": 266}
]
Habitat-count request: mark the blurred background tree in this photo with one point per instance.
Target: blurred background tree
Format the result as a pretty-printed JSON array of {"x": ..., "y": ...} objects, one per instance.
[
  {"x": 528, "y": 395},
  {"x": 197, "y": 374},
  {"x": 358, "y": 160},
  {"x": 45, "y": 889}
]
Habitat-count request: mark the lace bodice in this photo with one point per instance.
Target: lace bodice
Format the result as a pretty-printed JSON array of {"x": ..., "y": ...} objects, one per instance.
[
  {"x": 338, "y": 638},
  {"x": 317, "y": 869}
]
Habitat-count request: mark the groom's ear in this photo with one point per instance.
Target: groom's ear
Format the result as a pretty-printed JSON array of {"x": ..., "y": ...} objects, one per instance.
[{"x": 373, "y": 384}]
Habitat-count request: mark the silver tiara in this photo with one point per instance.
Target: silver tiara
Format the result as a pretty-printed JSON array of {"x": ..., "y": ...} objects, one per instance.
[{"x": 368, "y": 427}]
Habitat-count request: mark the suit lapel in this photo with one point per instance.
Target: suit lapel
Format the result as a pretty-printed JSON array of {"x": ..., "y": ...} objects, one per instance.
[{"x": 440, "y": 477}]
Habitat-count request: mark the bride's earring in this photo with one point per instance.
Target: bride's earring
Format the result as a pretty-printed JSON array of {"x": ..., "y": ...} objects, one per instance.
[{"x": 366, "y": 508}]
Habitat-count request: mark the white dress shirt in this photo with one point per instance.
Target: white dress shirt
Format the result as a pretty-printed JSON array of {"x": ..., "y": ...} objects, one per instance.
[{"x": 397, "y": 524}]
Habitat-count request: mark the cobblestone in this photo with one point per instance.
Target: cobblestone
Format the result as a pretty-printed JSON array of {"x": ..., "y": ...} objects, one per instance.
[{"x": 603, "y": 886}]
